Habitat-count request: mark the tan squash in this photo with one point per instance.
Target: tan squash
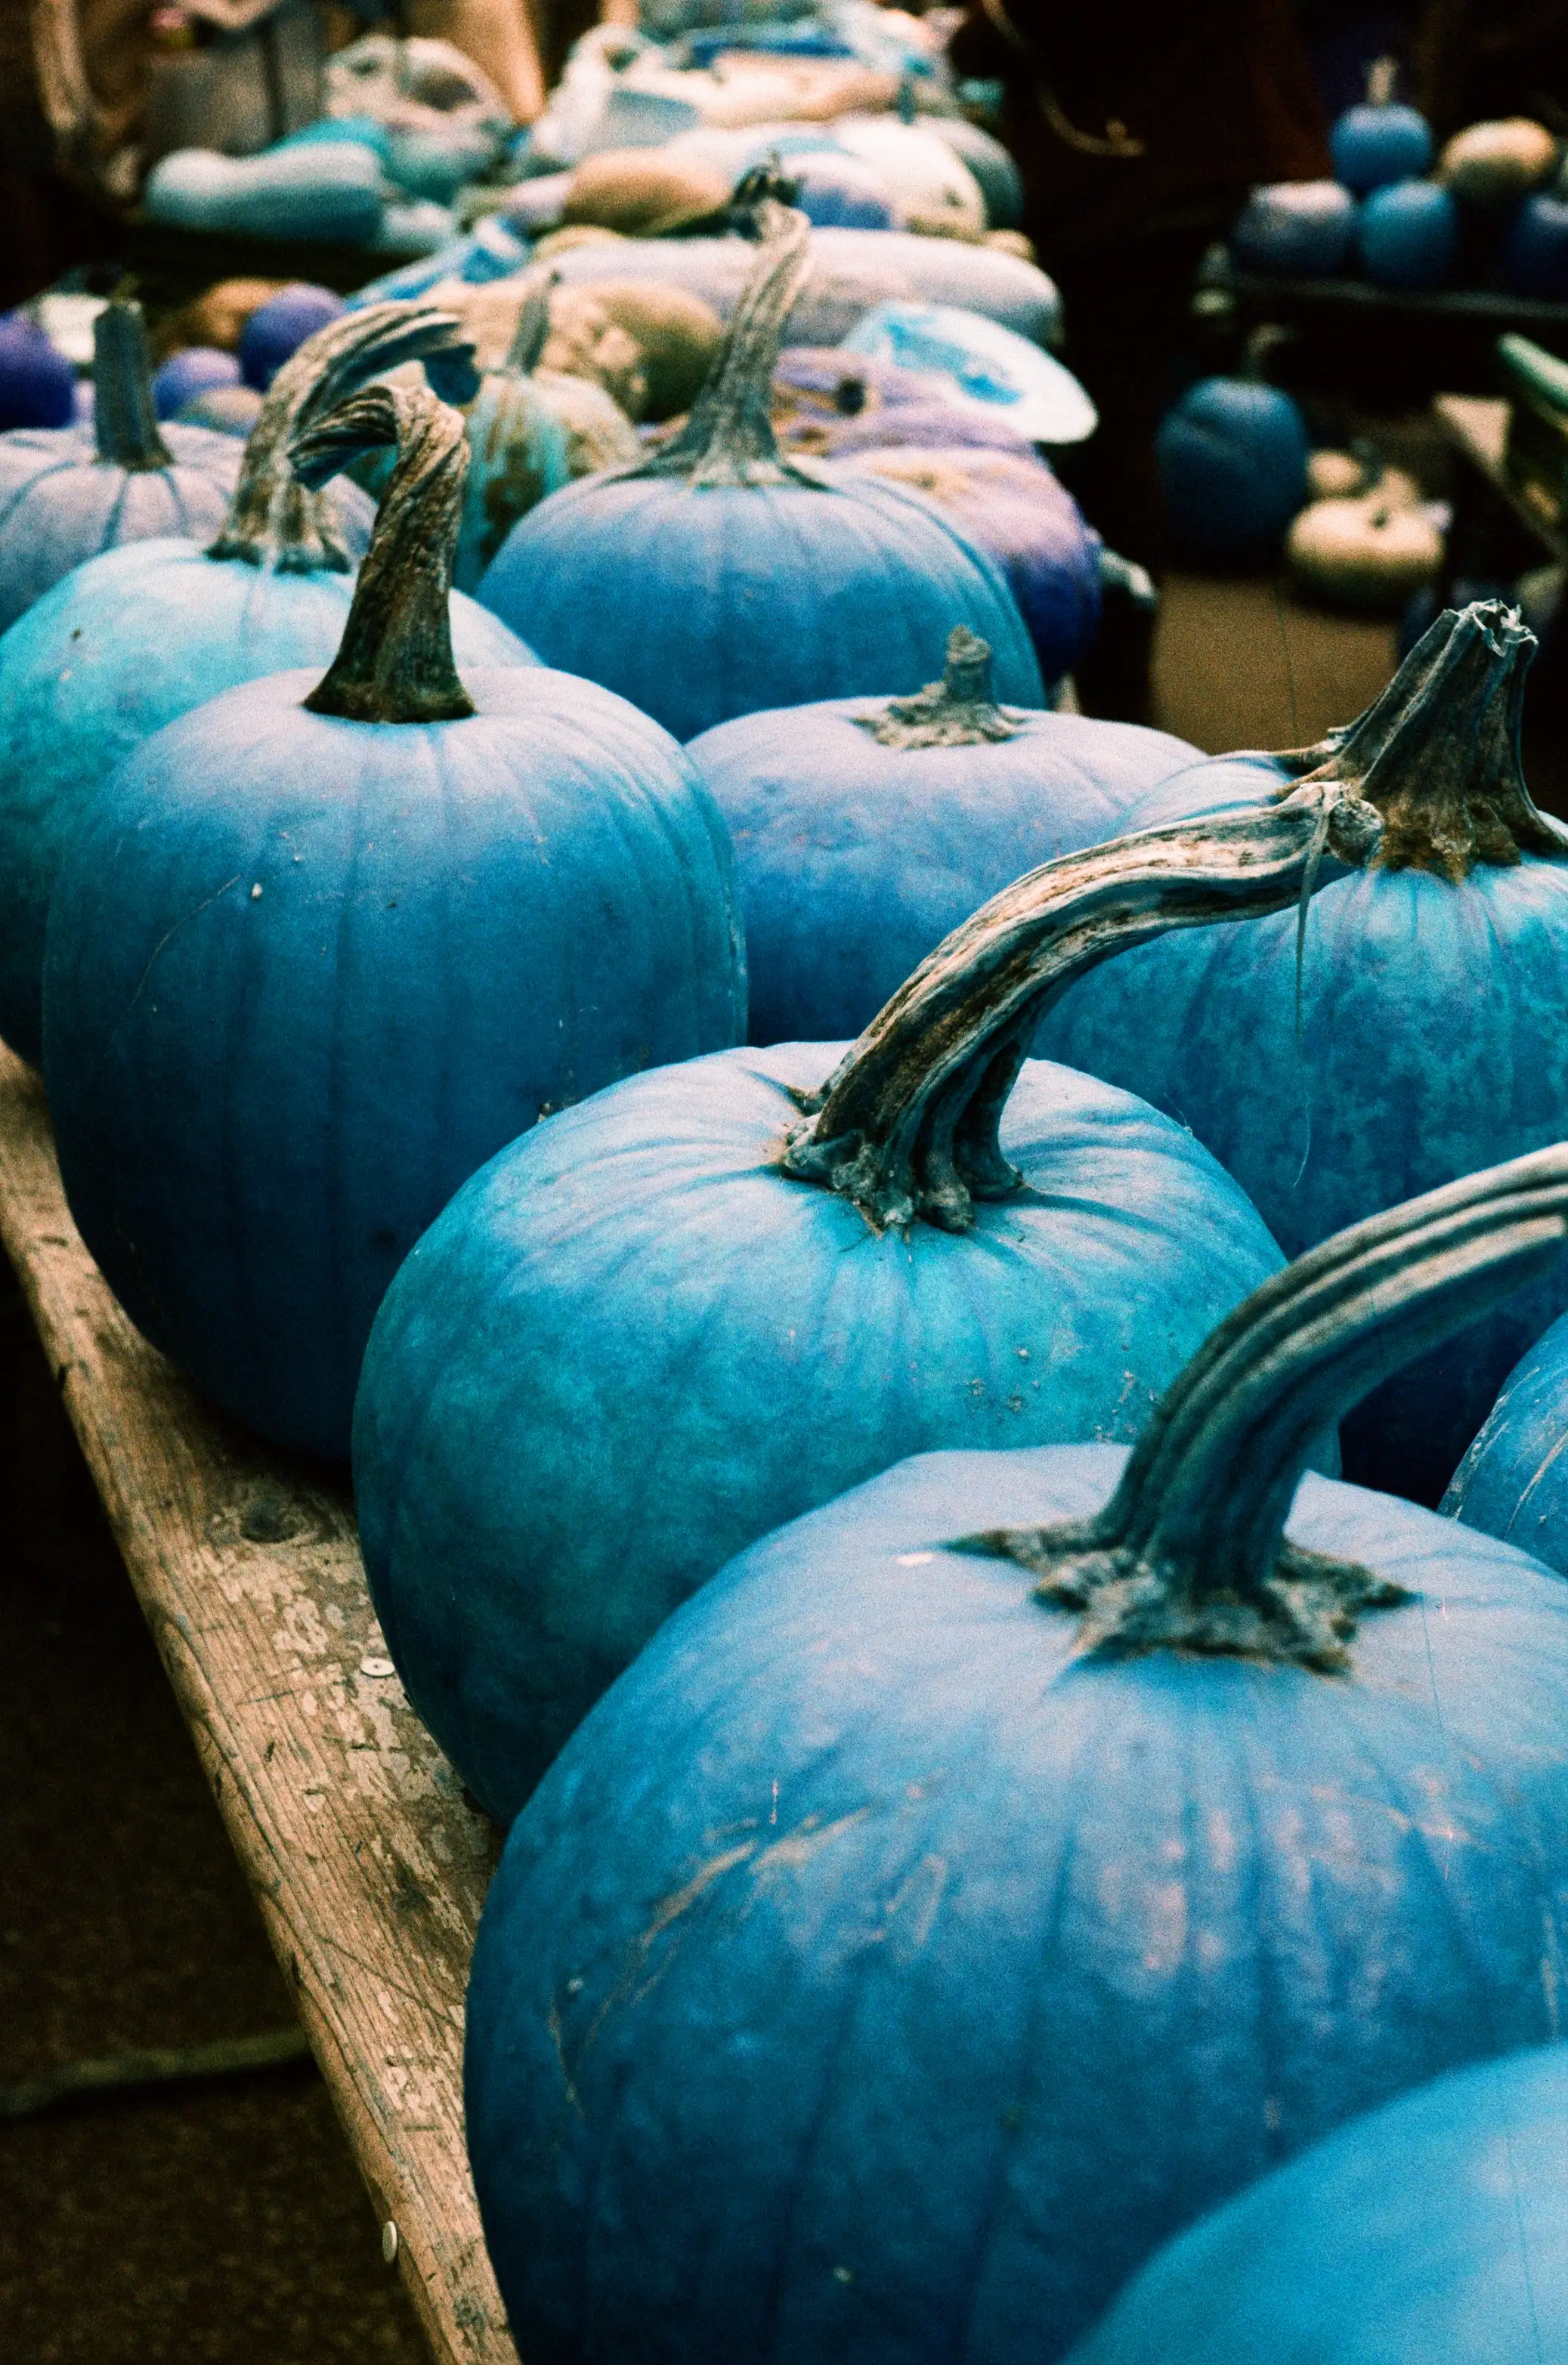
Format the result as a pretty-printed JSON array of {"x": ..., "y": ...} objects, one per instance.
[
  {"x": 1366, "y": 552},
  {"x": 641, "y": 192},
  {"x": 676, "y": 333},
  {"x": 1492, "y": 164}
]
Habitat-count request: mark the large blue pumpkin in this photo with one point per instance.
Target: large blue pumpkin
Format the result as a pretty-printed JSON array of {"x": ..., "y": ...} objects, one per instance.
[
  {"x": 718, "y": 578},
  {"x": 320, "y": 948},
  {"x": 685, "y": 1311},
  {"x": 1421, "y": 1035},
  {"x": 1513, "y": 1483},
  {"x": 864, "y": 830},
  {"x": 990, "y": 1873},
  {"x": 1434, "y": 2229},
  {"x": 143, "y": 633},
  {"x": 68, "y": 492}
]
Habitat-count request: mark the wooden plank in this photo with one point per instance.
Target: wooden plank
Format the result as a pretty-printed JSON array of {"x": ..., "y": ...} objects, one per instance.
[
  {"x": 367, "y": 1863},
  {"x": 1477, "y": 427}
]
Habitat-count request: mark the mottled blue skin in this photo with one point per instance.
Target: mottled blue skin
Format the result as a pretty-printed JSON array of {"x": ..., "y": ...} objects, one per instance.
[
  {"x": 631, "y": 1346},
  {"x": 60, "y": 504},
  {"x": 122, "y": 646},
  {"x": 1514, "y": 1480},
  {"x": 260, "y": 1099},
  {"x": 1433, "y": 2232},
  {"x": 700, "y": 604},
  {"x": 1431, "y": 1045},
  {"x": 876, "y": 1979},
  {"x": 1302, "y": 228},
  {"x": 854, "y": 859}
]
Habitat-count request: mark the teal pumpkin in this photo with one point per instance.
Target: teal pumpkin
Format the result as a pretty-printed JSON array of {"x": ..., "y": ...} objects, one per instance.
[
  {"x": 718, "y": 578},
  {"x": 67, "y": 493},
  {"x": 141, "y": 634},
  {"x": 321, "y": 948},
  {"x": 707, "y": 1299},
  {"x": 987, "y": 1875}
]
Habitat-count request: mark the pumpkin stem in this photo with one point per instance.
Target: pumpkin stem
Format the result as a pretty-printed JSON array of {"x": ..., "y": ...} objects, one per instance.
[
  {"x": 125, "y": 422},
  {"x": 908, "y": 1124},
  {"x": 273, "y": 521},
  {"x": 532, "y": 332},
  {"x": 728, "y": 438},
  {"x": 1438, "y": 752},
  {"x": 959, "y": 710},
  {"x": 394, "y": 663},
  {"x": 1189, "y": 1553}
]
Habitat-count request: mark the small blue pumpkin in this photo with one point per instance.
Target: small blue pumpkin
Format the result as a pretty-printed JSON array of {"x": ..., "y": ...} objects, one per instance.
[
  {"x": 864, "y": 830},
  {"x": 711, "y": 1297},
  {"x": 1380, "y": 140},
  {"x": 38, "y": 385},
  {"x": 1512, "y": 1482},
  {"x": 66, "y": 493},
  {"x": 134, "y": 638},
  {"x": 718, "y": 578},
  {"x": 1302, "y": 228},
  {"x": 1535, "y": 248},
  {"x": 276, "y": 330},
  {"x": 195, "y": 370},
  {"x": 1434, "y": 2228},
  {"x": 1410, "y": 1032},
  {"x": 321, "y": 947},
  {"x": 1407, "y": 235},
  {"x": 1232, "y": 460},
  {"x": 842, "y": 193},
  {"x": 989, "y": 1874}
]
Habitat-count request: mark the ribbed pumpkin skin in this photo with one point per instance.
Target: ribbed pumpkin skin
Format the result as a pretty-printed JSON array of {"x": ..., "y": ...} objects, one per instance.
[
  {"x": 59, "y": 503},
  {"x": 1513, "y": 1482},
  {"x": 699, "y": 604},
  {"x": 122, "y": 646},
  {"x": 855, "y": 860},
  {"x": 572, "y": 1449},
  {"x": 1432, "y": 1045},
  {"x": 457, "y": 925},
  {"x": 1434, "y": 2228},
  {"x": 874, "y": 1978}
]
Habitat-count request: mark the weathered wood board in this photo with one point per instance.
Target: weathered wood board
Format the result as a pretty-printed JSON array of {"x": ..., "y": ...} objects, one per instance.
[{"x": 368, "y": 1866}]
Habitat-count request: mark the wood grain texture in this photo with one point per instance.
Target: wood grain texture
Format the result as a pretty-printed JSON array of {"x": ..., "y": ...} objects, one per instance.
[{"x": 368, "y": 1866}]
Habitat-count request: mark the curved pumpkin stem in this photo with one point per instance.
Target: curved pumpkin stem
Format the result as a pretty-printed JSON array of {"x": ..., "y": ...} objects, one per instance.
[
  {"x": 272, "y": 519},
  {"x": 728, "y": 438},
  {"x": 125, "y": 424},
  {"x": 959, "y": 710},
  {"x": 908, "y": 1126},
  {"x": 1438, "y": 752},
  {"x": 1190, "y": 1551},
  {"x": 395, "y": 662}
]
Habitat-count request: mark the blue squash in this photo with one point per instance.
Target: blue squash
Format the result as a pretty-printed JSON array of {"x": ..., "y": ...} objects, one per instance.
[
  {"x": 38, "y": 385},
  {"x": 864, "y": 830},
  {"x": 1535, "y": 250},
  {"x": 1434, "y": 2228},
  {"x": 193, "y": 371},
  {"x": 1512, "y": 1483},
  {"x": 989, "y": 1874},
  {"x": 321, "y": 948},
  {"x": 718, "y": 578},
  {"x": 1407, "y": 235},
  {"x": 716, "y": 1296},
  {"x": 133, "y": 639},
  {"x": 1427, "y": 1040},
  {"x": 1375, "y": 143},
  {"x": 1300, "y": 228},
  {"x": 1232, "y": 460},
  {"x": 276, "y": 330},
  {"x": 67, "y": 493}
]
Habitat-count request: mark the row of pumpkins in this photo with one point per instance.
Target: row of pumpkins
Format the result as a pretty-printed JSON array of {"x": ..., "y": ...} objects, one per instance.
[
  {"x": 822, "y": 1471},
  {"x": 1495, "y": 206}
]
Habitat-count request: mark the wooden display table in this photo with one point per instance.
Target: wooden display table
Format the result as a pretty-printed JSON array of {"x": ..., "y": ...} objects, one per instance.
[{"x": 352, "y": 1830}]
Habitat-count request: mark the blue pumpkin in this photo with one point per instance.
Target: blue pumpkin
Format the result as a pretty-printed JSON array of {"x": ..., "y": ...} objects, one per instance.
[
  {"x": 1512, "y": 1482},
  {"x": 990, "y": 1873},
  {"x": 1380, "y": 142},
  {"x": 66, "y": 493},
  {"x": 132, "y": 639},
  {"x": 1434, "y": 2228},
  {"x": 1407, "y": 235},
  {"x": 321, "y": 948},
  {"x": 1422, "y": 1035},
  {"x": 864, "y": 831},
  {"x": 842, "y": 193},
  {"x": 718, "y": 578},
  {"x": 1302, "y": 228},
  {"x": 276, "y": 330},
  {"x": 193, "y": 371},
  {"x": 38, "y": 385},
  {"x": 1232, "y": 460},
  {"x": 750, "y": 1309},
  {"x": 1535, "y": 250}
]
